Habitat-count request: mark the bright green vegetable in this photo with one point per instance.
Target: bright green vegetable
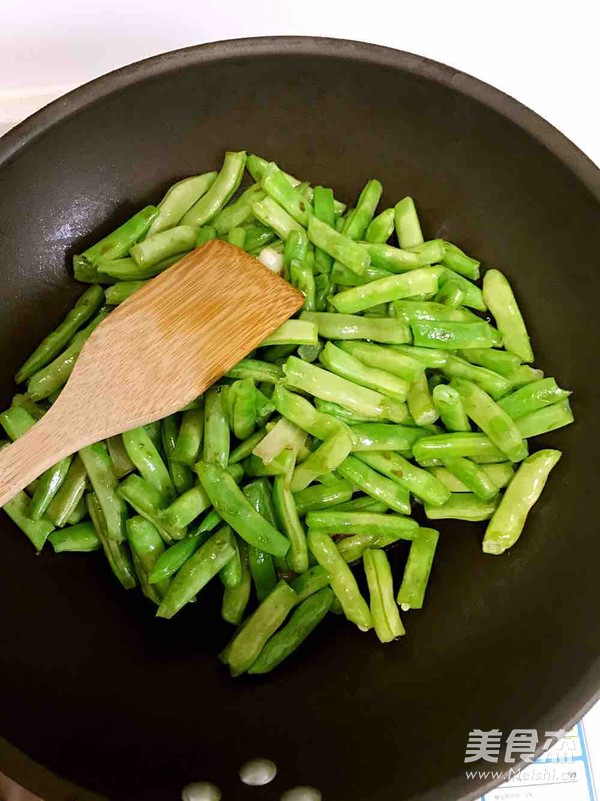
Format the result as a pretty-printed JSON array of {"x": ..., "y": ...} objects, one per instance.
[
  {"x": 452, "y": 336},
  {"x": 351, "y": 326},
  {"x": 324, "y": 459},
  {"x": 499, "y": 474},
  {"x": 472, "y": 445},
  {"x": 322, "y": 496},
  {"x": 145, "y": 456},
  {"x": 248, "y": 642},
  {"x": 420, "y": 402},
  {"x": 506, "y": 525},
  {"x": 305, "y": 618},
  {"x": 338, "y": 246},
  {"x": 115, "y": 551},
  {"x": 532, "y": 397},
  {"x": 116, "y": 294},
  {"x": 81, "y": 538},
  {"x": 398, "y": 364},
  {"x": 416, "y": 480},
  {"x": 472, "y": 476},
  {"x": 500, "y": 300},
  {"x": 179, "y": 199},
  {"x": 408, "y": 228},
  {"x": 238, "y": 212},
  {"x": 220, "y": 191},
  {"x": 146, "y": 547},
  {"x": 418, "y": 568},
  {"x": 216, "y": 428},
  {"x": 37, "y": 531},
  {"x": 102, "y": 477},
  {"x": 289, "y": 521},
  {"x": 340, "y": 577},
  {"x": 462, "y": 507},
  {"x": 235, "y": 599},
  {"x": 449, "y": 407},
  {"x": 197, "y": 572},
  {"x": 347, "y": 366},
  {"x": 385, "y": 437},
  {"x": 377, "y": 486},
  {"x": 385, "y": 614},
  {"x": 547, "y": 419},
  {"x": 491, "y": 419},
  {"x": 48, "y": 485},
  {"x": 85, "y": 308},
  {"x": 69, "y": 494},
  {"x": 457, "y": 260},
  {"x": 335, "y": 522},
  {"x": 423, "y": 280},
  {"x": 381, "y": 227},
  {"x": 279, "y": 188},
  {"x": 189, "y": 438}
]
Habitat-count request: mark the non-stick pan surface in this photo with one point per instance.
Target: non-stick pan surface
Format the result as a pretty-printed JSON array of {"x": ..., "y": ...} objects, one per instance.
[{"x": 92, "y": 686}]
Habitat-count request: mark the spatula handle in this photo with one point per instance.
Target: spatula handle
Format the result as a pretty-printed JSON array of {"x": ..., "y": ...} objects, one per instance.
[{"x": 46, "y": 443}]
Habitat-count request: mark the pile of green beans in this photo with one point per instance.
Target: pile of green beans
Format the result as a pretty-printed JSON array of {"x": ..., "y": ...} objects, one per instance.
[{"x": 400, "y": 382}]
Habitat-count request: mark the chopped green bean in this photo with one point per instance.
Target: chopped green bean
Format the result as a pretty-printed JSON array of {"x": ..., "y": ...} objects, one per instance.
[
  {"x": 220, "y": 191},
  {"x": 533, "y": 397},
  {"x": 418, "y": 568},
  {"x": 114, "y": 550},
  {"x": 500, "y": 300},
  {"x": 449, "y": 407},
  {"x": 408, "y": 228},
  {"x": 351, "y": 326},
  {"x": 377, "y": 486},
  {"x": 414, "y": 479},
  {"x": 385, "y": 614},
  {"x": 179, "y": 199},
  {"x": 81, "y": 538},
  {"x": 347, "y": 366},
  {"x": 544, "y": 420},
  {"x": 462, "y": 507},
  {"x": 457, "y": 260},
  {"x": 420, "y": 402},
  {"x": 381, "y": 227},
  {"x": 423, "y": 280}
]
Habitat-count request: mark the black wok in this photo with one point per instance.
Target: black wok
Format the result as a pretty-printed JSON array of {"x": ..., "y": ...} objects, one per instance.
[{"x": 132, "y": 708}]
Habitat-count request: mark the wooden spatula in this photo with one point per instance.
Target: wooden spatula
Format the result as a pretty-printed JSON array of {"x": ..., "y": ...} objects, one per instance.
[{"x": 154, "y": 354}]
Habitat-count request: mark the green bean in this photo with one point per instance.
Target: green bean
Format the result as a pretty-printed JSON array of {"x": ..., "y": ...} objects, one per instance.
[
  {"x": 115, "y": 551},
  {"x": 189, "y": 438},
  {"x": 157, "y": 248},
  {"x": 147, "y": 502},
  {"x": 415, "y": 311},
  {"x": 220, "y": 191},
  {"x": 408, "y": 228},
  {"x": 303, "y": 621},
  {"x": 36, "y": 531},
  {"x": 256, "y": 166},
  {"x": 260, "y": 562},
  {"x": 332, "y": 521},
  {"x": 279, "y": 188},
  {"x": 257, "y": 238},
  {"x": 237, "y": 237},
  {"x": 85, "y": 308},
  {"x": 472, "y": 476},
  {"x": 294, "y": 332},
  {"x": 420, "y": 402},
  {"x": 310, "y": 353},
  {"x": 386, "y": 618},
  {"x": 547, "y": 419},
  {"x": 128, "y": 269},
  {"x": 231, "y": 573},
  {"x": 500, "y": 300},
  {"x": 322, "y": 496},
  {"x": 499, "y": 474},
  {"x": 69, "y": 494},
  {"x": 377, "y": 486},
  {"x": 242, "y": 400},
  {"x": 36, "y": 410},
  {"x": 457, "y": 260},
  {"x": 473, "y": 297},
  {"x": 385, "y": 437},
  {"x": 48, "y": 485},
  {"x": 250, "y": 639},
  {"x": 310, "y": 582},
  {"x": 506, "y": 525},
  {"x": 324, "y": 459},
  {"x": 79, "y": 513},
  {"x": 451, "y": 335},
  {"x": 324, "y": 210},
  {"x": 340, "y": 577},
  {"x": 147, "y": 547},
  {"x": 237, "y": 511},
  {"x": 491, "y": 419},
  {"x": 256, "y": 369},
  {"x": 351, "y": 326},
  {"x": 533, "y": 397},
  {"x": 327, "y": 386},
  {"x": 181, "y": 474},
  {"x": 492, "y": 383},
  {"x": 381, "y": 227},
  {"x": 81, "y": 538},
  {"x": 359, "y": 220},
  {"x": 238, "y": 212},
  {"x": 216, "y": 428},
  {"x": 255, "y": 467},
  {"x": 284, "y": 434},
  {"x": 145, "y": 456},
  {"x": 429, "y": 357},
  {"x": 206, "y": 233},
  {"x": 347, "y": 366},
  {"x": 55, "y": 374},
  {"x": 344, "y": 415},
  {"x": 121, "y": 462},
  {"x": 449, "y": 407},
  {"x": 462, "y": 507},
  {"x": 246, "y": 447},
  {"x": 421, "y": 483},
  {"x": 287, "y": 514},
  {"x": 186, "y": 508},
  {"x": 343, "y": 276},
  {"x": 405, "y": 367},
  {"x": 235, "y": 599},
  {"x": 418, "y": 568},
  {"x": 302, "y": 413},
  {"x": 197, "y": 572},
  {"x": 114, "y": 246},
  {"x": 116, "y": 294},
  {"x": 423, "y": 280},
  {"x": 339, "y": 246},
  {"x": 352, "y": 548},
  {"x": 524, "y": 374},
  {"x": 395, "y": 260},
  {"x": 451, "y": 294},
  {"x": 102, "y": 476},
  {"x": 179, "y": 199},
  {"x": 303, "y": 279},
  {"x": 177, "y": 554},
  {"x": 471, "y": 445},
  {"x": 271, "y": 214},
  {"x": 264, "y": 406},
  {"x": 500, "y": 361},
  {"x": 323, "y": 289}
]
